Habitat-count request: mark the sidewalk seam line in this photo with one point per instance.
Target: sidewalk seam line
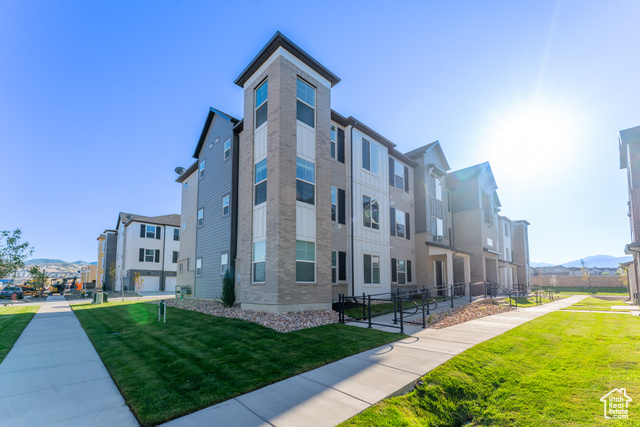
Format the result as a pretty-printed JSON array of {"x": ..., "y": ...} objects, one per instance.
[{"x": 248, "y": 409}]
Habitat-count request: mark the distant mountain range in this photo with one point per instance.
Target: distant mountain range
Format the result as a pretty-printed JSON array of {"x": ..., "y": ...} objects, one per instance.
[
  {"x": 595, "y": 261},
  {"x": 39, "y": 261}
]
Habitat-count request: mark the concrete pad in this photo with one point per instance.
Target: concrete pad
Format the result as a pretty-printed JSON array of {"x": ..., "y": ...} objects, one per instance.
[
  {"x": 116, "y": 417},
  {"x": 230, "y": 414},
  {"x": 20, "y": 349},
  {"x": 298, "y": 401},
  {"x": 476, "y": 330},
  {"x": 454, "y": 336},
  {"x": 57, "y": 340},
  {"x": 408, "y": 359},
  {"x": 35, "y": 361},
  {"x": 440, "y": 346},
  {"x": 361, "y": 379}
]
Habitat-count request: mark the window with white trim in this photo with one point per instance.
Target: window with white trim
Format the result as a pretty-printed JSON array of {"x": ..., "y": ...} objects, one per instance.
[
  {"x": 176, "y": 234},
  {"x": 225, "y": 205},
  {"x": 181, "y": 267},
  {"x": 306, "y": 103},
  {"x": 260, "y": 191},
  {"x": 370, "y": 213},
  {"x": 261, "y": 104},
  {"x": 400, "y": 223},
  {"x": 438, "y": 184},
  {"x": 333, "y": 141},
  {"x": 399, "y": 175},
  {"x": 149, "y": 255},
  {"x": 334, "y": 204},
  {"x": 305, "y": 182},
  {"x": 198, "y": 266},
  {"x": 224, "y": 262},
  {"x": 334, "y": 267},
  {"x": 227, "y": 148},
  {"x": 202, "y": 169},
  {"x": 305, "y": 261},
  {"x": 369, "y": 156},
  {"x": 402, "y": 272},
  {"x": 259, "y": 261},
  {"x": 200, "y": 217},
  {"x": 371, "y": 269},
  {"x": 174, "y": 258}
]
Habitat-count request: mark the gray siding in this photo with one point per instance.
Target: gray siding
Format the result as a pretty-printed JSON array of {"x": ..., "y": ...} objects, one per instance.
[
  {"x": 214, "y": 237},
  {"x": 110, "y": 257}
]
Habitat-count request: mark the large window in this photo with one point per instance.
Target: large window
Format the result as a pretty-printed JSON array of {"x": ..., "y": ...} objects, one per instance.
[
  {"x": 399, "y": 175},
  {"x": 400, "y": 223},
  {"x": 259, "y": 261},
  {"x": 306, "y": 103},
  {"x": 261, "y": 104},
  {"x": 369, "y": 156},
  {"x": 200, "y": 217},
  {"x": 261, "y": 182},
  {"x": 150, "y": 231},
  {"x": 370, "y": 213},
  {"x": 371, "y": 269},
  {"x": 149, "y": 255},
  {"x": 334, "y": 204},
  {"x": 225, "y": 205},
  {"x": 305, "y": 261},
  {"x": 224, "y": 262},
  {"x": 437, "y": 229},
  {"x": 176, "y": 234},
  {"x": 202, "y": 169},
  {"x": 306, "y": 178},
  {"x": 333, "y": 141},
  {"x": 227, "y": 149},
  {"x": 334, "y": 267}
]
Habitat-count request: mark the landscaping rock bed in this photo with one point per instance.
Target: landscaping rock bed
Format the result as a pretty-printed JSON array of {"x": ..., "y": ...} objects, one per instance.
[
  {"x": 465, "y": 313},
  {"x": 285, "y": 322}
]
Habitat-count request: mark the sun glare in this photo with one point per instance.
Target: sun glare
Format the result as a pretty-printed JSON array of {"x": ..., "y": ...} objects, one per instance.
[{"x": 531, "y": 139}]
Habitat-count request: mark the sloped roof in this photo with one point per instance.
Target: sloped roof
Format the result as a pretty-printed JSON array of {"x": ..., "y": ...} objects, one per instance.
[
  {"x": 279, "y": 40},
  {"x": 465, "y": 174},
  {"x": 171, "y": 219},
  {"x": 191, "y": 169},
  {"x": 425, "y": 148},
  {"x": 626, "y": 137},
  {"x": 207, "y": 123}
]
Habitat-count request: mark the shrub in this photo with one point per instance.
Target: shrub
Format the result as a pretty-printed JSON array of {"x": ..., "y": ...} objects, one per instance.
[{"x": 228, "y": 297}]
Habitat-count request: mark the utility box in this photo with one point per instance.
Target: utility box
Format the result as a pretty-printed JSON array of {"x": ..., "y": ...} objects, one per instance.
[{"x": 100, "y": 298}]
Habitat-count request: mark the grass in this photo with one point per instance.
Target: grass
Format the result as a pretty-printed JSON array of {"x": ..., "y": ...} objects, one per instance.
[
  {"x": 13, "y": 320},
  {"x": 551, "y": 371},
  {"x": 585, "y": 290},
  {"x": 196, "y": 360},
  {"x": 526, "y": 301},
  {"x": 596, "y": 304}
]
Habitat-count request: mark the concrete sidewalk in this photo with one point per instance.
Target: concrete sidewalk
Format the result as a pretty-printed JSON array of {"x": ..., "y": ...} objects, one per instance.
[
  {"x": 336, "y": 392},
  {"x": 53, "y": 376}
]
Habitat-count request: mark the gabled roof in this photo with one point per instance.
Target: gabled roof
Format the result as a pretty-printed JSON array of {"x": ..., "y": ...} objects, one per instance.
[
  {"x": 429, "y": 147},
  {"x": 171, "y": 219},
  {"x": 482, "y": 169},
  {"x": 186, "y": 174},
  {"x": 277, "y": 41},
  {"x": 626, "y": 137},
  {"x": 207, "y": 123}
]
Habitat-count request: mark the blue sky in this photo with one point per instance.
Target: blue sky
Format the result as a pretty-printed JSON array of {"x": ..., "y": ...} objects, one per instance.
[{"x": 100, "y": 101}]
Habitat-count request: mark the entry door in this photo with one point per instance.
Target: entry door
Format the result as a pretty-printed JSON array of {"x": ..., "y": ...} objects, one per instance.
[{"x": 438, "y": 276}]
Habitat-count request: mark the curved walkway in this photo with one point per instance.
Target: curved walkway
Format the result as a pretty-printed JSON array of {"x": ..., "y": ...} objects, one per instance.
[{"x": 53, "y": 376}]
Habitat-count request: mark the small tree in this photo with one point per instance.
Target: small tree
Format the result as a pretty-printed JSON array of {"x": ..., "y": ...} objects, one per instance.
[
  {"x": 38, "y": 277},
  {"x": 138, "y": 281},
  {"x": 109, "y": 284},
  {"x": 623, "y": 273},
  {"x": 586, "y": 273},
  {"x": 228, "y": 297},
  {"x": 12, "y": 252}
]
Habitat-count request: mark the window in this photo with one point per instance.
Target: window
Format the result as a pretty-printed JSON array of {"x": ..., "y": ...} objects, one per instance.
[
  {"x": 261, "y": 182},
  {"x": 175, "y": 257},
  {"x": 199, "y": 267},
  {"x": 506, "y": 230},
  {"x": 306, "y": 103},
  {"x": 438, "y": 184},
  {"x": 305, "y": 174},
  {"x": 176, "y": 234},
  {"x": 334, "y": 267},
  {"x": 259, "y": 261},
  {"x": 333, "y": 142},
  {"x": 399, "y": 175},
  {"x": 334, "y": 203},
  {"x": 305, "y": 261},
  {"x": 184, "y": 225},
  {"x": 487, "y": 208},
  {"x": 200, "y": 217},
  {"x": 202, "y": 169},
  {"x": 225, "y": 205},
  {"x": 150, "y": 231},
  {"x": 227, "y": 148},
  {"x": 261, "y": 104},
  {"x": 400, "y": 223},
  {"x": 185, "y": 186},
  {"x": 402, "y": 272},
  {"x": 224, "y": 263},
  {"x": 370, "y": 214},
  {"x": 437, "y": 229},
  {"x": 371, "y": 269},
  {"x": 369, "y": 156},
  {"x": 181, "y": 267},
  {"x": 149, "y": 255}
]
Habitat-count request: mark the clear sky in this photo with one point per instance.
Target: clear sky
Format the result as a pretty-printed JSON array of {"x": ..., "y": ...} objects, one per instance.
[{"x": 101, "y": 100}]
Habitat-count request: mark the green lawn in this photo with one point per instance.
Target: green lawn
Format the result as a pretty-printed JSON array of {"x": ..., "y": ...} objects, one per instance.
[
  {"x": 196, "y": 360},
  {"x": 585, "y": 290},
  {"x": 551, "y": 371},
  {"x": 591, "y": 304},
  {"x": 13, "y": 320},
  {"x": 526, "y": 301}
]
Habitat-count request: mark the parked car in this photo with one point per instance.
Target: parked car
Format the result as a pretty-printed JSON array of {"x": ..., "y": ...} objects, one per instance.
[{"x": 10, "y": 290}]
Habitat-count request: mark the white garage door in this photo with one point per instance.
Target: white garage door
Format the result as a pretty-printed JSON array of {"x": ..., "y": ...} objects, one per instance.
[
  {"x": 169, "y": 284},
  {"x": 151, "y": 284}
]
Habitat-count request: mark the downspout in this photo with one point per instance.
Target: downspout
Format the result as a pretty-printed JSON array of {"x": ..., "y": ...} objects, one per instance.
[
  {"x": 353, "y": 286},
  {"x": 164, "y": 255}
]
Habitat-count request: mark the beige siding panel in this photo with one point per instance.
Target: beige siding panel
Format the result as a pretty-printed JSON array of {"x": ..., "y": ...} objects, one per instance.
[
  {"x": 260, "y": 222},
  {"x": 306, "y": 142},
  {"x": 305, "y": 221},
  {"x": 260, "y": 144}
]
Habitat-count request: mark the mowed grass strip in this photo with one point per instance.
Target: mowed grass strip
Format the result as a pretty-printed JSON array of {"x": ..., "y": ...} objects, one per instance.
[
  {"x": 597, "y": 304},
  {"x": 13, "y": 320},
  {"x": 196, "y": 360},
  {"x": 551, "y": 371},
  {"x": 526, "y": 301},
  {"x": 586, "y": 290}
]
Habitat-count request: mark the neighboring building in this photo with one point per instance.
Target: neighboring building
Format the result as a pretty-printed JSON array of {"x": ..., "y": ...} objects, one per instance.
[
  {"x": 101, "y": 263},
  {"x": 88, "y": 275},
  {"x": 111, "y": 247},
  {"x": 507, "y": 267},
  {"x": 521, "y": 251},
  {"x": 265, "y": 191},
  {"x": 629, "y": 146},
  {"x": 148, "y": 246},
  {"x": 187, "y": 255}
]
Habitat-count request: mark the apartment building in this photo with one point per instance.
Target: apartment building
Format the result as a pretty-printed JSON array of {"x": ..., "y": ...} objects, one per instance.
[
  {"x": 107, "y": 247},
  {"x": 148, "y": 246},
  {"x": 629, "y": 147},
  {"x": 303, "y": 203},
  {"x": 520, "y": 249},
  {"x": 188, "y": 179},
  {"x": 101, "y": 263}
]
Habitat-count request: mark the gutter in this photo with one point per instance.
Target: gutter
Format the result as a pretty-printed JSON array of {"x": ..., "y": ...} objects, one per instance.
[
  {"x": 353, "y": 285},
  {"x": 164, "y": 255}
]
